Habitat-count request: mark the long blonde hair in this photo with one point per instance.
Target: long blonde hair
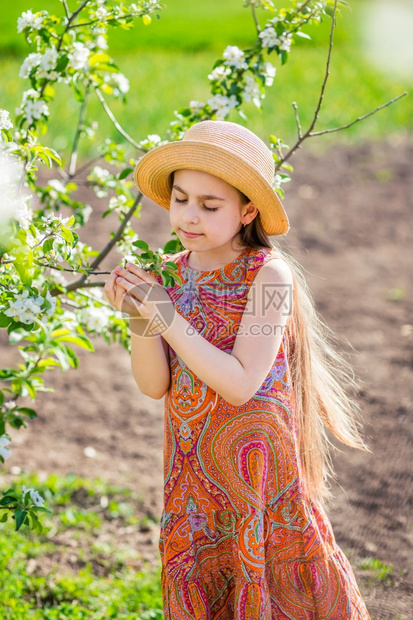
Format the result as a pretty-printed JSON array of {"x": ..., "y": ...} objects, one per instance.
[{"x": 321, "y": 378}]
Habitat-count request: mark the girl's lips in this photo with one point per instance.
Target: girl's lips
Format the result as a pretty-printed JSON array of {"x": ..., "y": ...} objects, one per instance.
[{"x": 190, "y": 235}]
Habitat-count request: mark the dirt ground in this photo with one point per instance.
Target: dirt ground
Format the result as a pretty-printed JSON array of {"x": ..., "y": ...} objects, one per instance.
[{"x": 351, "y": 228}]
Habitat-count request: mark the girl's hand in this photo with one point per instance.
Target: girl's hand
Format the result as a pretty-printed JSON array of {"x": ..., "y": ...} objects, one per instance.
[{"x": 133, "y": 291}]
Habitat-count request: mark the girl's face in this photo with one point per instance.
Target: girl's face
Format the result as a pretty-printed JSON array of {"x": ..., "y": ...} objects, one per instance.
[{"x": 209, "y": 208}]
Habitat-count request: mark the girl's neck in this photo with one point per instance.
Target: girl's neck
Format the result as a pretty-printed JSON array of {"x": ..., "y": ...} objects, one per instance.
[{"x": 212, "y": 260}]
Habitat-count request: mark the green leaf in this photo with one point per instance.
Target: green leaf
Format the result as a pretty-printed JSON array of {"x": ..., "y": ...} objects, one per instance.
[
  {"x": 48, "y": 245},
  {"x": 31, "y": 413},
  {"x": 142, "y": 245},
  {"x": 7, "y": 499},
  {"x": 5, "y": 320},
  {"x": 171, "y": 265},
  {"x": 67, "y": 235},
  {"x": 53, "y": 155},
  {"x": 125, "y": 173},
  {"x": 20, "y": 516},
  {"x": 99, "y": 58},
  {"x": 62, "y": 63},
  {"x": 62, "y": 357},
  {"x": 45, "y": 158},
  {"x": 60, "y": 332},
  {"x": 303, "y": 35},
  {"x": 81, "y": 341},
  {"x": 172, "y": 246},
  {"x": 4, "y": 517},
  {"x": 72, "y": 357}
]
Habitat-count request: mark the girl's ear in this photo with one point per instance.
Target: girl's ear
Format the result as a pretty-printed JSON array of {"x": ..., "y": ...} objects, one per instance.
[{"x": 249, "y": 212}]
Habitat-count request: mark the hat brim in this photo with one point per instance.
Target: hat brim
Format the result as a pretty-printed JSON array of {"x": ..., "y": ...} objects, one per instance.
[{"x": 152, "y": 177}]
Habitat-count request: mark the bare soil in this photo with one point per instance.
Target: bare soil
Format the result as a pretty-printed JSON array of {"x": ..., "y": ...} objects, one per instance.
[{"x": 351, "y": 229}]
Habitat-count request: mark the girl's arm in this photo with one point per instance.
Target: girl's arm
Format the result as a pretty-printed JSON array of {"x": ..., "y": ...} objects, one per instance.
[
  {"x": 150, "y": 355},
  {"x": 236, "y": 376},
  {"x": 150, "y": 364},
  {"x": 239, "y": 375}
]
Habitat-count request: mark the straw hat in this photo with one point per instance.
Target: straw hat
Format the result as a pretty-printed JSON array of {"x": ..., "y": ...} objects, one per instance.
[{"x": 226, "y": 150}]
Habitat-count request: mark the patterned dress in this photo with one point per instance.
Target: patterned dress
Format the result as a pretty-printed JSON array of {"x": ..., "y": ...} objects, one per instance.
[{"x": 239, "y": 538}]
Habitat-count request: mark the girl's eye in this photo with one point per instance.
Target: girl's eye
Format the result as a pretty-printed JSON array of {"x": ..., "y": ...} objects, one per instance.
[{"x": 206, "y": 208}]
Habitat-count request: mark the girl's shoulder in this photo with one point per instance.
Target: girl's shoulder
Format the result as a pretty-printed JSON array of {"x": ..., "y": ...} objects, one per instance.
[{"x": 268, "y": 260}]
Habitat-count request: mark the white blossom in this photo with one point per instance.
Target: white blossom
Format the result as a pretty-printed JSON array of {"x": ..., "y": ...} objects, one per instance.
[
  {"x": 35, "y": 109},
  {"x": 234, "y": 57},
  {"x": 251, "y": 90},
  {"x": 99, "y": 175},
  {"x": 57, "y": 277},
  {"x": 133, "y": 8},
  {"x": 285, "y": 41},
  {"x": 152, "y": 140},
  {"x": 196, "y": 105},
  {"x": 4, "y": 451},
  {"x": 27, "y": 19},
  {"x": 101, "y": 13},
  {"x": 57, "y": 188},
  {"x": 9, "y": 404},
  {"x": 32, "y": 109},
  {"x": 68, "y": 316},
  {"x": 119, "y": 81},
  {"x": 86, "y": 213},
  {"x": 269, "y": 37},
  {"x": 277, "y": 181},
  {"x": 22, "y": 212},
  {"x": 5, "y": 122},
  {"x": 31, "y": 61},
  {"x": 24, "y": 308},
  {"x": 101, "y": 42},
  {"x": 13, "y": 203},
  {"x": 48, "y": 63},
  {"x": 79, "y": 56},
  {"x": 222, "y": 104},
  {"x": 269, "y": 73},
  {"x": 219, "y": 73},
  {"x": 35, "y": 496},
  {"x": 94, "y": 318},
  {"x": 51, "y": 218},
  {"x": 118, "y": 202},
  {"x": 77, "y": 252}
]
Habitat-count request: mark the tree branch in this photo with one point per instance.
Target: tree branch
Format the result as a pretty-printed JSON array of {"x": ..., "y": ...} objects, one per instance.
[
  {"x": 68, "y": 270},
  {"x": 115, "y": 122},
  {"x": 73, "y": 155},
  {"x": 303, "y": 6},
  {"x": 89, "y": 163},
  {"x": 66, "y": 8},
  {"x": 357, "y": 120},
  {"x": 297, "y": 120},
  {"x": 322, "y": 92},
  {"x": 255, "y": 18},
  {"x": 106, "y": 21},
  {"x": 108, "y": 247}
]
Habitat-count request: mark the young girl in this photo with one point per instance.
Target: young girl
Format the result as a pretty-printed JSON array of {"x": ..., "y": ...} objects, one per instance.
[{"x": 250, "y": 383}]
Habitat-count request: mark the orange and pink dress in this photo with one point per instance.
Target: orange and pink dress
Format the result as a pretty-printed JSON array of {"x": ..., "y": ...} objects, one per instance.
[{"x": 240, "y": 540}]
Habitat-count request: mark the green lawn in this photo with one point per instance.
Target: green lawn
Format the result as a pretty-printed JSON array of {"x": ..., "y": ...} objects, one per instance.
[
  {"x": 81, "y": 567},
  {"x": 167, "y": 64}
]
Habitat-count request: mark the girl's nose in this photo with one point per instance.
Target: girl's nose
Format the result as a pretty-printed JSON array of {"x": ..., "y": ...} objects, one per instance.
[{"x": 191, "y": 214}]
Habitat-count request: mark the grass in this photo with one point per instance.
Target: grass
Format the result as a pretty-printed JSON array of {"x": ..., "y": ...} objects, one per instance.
[
  {"x": 376, "y": 570},
  {"x": 164, "y": 77},
  {"x": 185, "y": 26},
  {"x": 84, "y": 566}
]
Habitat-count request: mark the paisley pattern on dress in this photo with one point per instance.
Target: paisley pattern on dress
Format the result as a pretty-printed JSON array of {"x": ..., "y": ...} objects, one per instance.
[{"x": 240, "y": 540}]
